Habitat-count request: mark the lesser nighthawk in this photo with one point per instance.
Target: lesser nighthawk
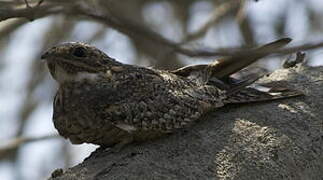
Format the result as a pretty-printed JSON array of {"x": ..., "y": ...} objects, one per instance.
[{"x": 105, "y": 102}]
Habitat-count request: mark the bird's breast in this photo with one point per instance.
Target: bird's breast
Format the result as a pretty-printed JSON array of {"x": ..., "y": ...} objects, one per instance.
[{"x": 77, "y": 118}]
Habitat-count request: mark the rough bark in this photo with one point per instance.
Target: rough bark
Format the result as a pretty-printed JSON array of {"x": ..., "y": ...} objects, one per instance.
[{"x": 282, "y": 139}]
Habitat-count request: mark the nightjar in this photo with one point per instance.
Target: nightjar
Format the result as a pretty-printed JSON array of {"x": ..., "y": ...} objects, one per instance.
[{"x": 108, "y": 103}]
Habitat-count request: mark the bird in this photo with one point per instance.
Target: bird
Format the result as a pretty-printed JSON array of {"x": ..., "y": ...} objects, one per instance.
[{"x": 108, "y": 103}]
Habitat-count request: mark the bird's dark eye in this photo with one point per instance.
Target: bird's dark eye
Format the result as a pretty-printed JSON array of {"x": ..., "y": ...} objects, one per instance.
[{"x": 79, "y": 52}]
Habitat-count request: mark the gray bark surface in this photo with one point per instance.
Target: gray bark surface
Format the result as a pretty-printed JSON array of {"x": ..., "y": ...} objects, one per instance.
[{"x": 282, "y": 139}]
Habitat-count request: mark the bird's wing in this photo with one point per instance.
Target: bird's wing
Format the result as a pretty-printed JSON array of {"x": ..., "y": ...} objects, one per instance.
[
  {"x": 224, "y": 67},
  {"x": 188, "y": 70},
  {"x": 251, "y": 94}
]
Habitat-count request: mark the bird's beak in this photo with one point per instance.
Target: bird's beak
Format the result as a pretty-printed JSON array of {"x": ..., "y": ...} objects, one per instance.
[{"x": 45, "y": 55}]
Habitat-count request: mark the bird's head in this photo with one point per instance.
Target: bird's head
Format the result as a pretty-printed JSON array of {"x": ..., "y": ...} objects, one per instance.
[{"x": 68, "y": 61}]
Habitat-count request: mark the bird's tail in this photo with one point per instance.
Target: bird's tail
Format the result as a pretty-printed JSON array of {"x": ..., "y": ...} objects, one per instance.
[
  {"x": 226, "y": 66},
  {"x": 250, "y": 95}
]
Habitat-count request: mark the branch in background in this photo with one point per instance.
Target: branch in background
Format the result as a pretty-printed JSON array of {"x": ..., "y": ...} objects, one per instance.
[
  {"x": 38, "y": 4},
  {"x": 245, "y": 26},
  {"x": 10, "y": 27},
  {"x": 244, "y": 52},
  {"x": 76, "y": 9},
  {"x": 133, "y": 30},
  {"x": 128, "y": 28},
  {"x": 14, "y": 144},
  {"x": 218, "y": 13},
  {"x": 145, "y": 40},
  {"x": 27, "y": 4},
  {"x": 30, "y": 13}
]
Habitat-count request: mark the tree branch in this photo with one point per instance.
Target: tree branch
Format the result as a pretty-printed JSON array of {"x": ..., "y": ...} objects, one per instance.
[
  {"x": 14, "y": 144},
  {"x": 218, "y": 13},
  {"x": 135, "y": 31}
]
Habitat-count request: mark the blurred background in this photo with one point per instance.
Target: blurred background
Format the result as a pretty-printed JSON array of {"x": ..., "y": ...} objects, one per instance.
[{"x": 143, "y": 32}]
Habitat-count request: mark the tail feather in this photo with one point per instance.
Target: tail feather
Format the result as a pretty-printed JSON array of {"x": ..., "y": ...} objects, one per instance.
[
  {"x": 226, "y": 66},
  {"x": 242, "y": 84},
  {"x": 250, "y": 95}
]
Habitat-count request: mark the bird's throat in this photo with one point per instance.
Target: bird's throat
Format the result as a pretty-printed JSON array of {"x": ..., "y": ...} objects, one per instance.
[{"x": 63, "y": 75}]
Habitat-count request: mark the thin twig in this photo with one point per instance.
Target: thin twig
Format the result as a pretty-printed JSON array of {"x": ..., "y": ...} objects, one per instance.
[
  {"x": 19, "y": 141},
  {"x": 218, "y": 13},
  {"x": 27, "y": 4},
  {"x": 40, "y": 2},
  {"x": 32, "y": 13}
]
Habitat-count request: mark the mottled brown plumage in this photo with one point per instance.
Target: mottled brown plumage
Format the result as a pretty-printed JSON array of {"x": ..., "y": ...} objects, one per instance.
[{"x": 105, "y": 102}]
